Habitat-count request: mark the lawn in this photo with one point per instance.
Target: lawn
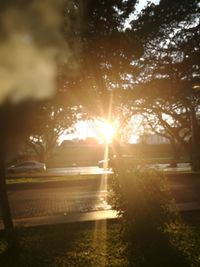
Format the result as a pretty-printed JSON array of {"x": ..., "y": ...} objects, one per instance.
[{"x": 78, "y": 244}]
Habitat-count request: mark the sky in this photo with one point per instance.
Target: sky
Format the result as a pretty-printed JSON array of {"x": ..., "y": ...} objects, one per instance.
[
  {"x": 103, "y": 131},
  {"x": 141, "y": 4},
  {"x": 83, "y": 129}
]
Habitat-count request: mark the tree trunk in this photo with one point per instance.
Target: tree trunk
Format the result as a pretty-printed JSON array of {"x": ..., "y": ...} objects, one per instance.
[
  {"x": 4, "y": 203},
  {"x": 175, "y": 153},
  {"x": 195, "y": 160}
]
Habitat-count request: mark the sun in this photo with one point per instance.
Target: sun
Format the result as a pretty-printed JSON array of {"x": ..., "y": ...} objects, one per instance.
[
  {"x": 105, "y": 131},
  {"x": 102, "y": 130}
]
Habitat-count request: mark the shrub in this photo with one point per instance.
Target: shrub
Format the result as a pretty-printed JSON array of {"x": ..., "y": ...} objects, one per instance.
[{"x": 149, "y": 219}]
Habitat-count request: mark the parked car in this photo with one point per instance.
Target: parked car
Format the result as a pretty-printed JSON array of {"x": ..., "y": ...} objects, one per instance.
[
  {"x": 105, "y": 163},
  {"x": 27, "y": 166}
]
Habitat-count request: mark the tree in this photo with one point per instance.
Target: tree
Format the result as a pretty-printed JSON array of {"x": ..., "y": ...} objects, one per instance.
[
  {"x": 161, "y": 80},
  {"x": 168, "y": 118},
  {"x": 53, "y": 120},
  {"x": 105, "y": 49},
  {"x": 119, "y": 67},
  {"x": 161, "y": 46}
]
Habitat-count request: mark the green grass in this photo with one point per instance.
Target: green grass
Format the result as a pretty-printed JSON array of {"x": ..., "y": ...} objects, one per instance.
[
  {"x": 23, "y": 180},
  {"x": 78, "y": 244}
]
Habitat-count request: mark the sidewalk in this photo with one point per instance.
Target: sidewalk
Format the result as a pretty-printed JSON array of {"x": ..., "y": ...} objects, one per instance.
[
  {"x": 65, "y": 218},
  {"x": 84, "y": 216}
]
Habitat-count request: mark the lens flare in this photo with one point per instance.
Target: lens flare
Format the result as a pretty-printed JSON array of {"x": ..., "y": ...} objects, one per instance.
[{"x": 105, "y": 131}]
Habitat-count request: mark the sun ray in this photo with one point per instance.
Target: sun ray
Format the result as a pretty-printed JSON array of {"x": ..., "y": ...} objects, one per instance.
[{"x": 107, "y": 131}]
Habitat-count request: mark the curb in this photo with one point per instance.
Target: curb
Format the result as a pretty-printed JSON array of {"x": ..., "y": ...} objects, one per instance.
[
  {"x": 85, "y": 216},
  {"x": 65, "y": 218}
]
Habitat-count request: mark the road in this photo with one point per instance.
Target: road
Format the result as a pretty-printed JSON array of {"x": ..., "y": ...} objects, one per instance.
[
  {"x": 54, "y": 198},
  {"x": 94, "y": 170},
  {"x": 89, "y": 194},
  {"x": 88, "y": 170}
]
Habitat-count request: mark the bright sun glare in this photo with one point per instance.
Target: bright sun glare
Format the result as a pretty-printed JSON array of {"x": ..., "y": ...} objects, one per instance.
[
  {"x": 105, "y": 131},
  {"x": 99, "y": 129}
]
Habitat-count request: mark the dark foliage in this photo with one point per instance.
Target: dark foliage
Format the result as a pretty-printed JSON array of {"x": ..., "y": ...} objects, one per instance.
[{"x": 151, "y": 226}]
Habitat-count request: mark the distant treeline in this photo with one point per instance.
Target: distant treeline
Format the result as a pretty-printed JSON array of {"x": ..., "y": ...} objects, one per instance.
[{"x": 88, "y": 155}]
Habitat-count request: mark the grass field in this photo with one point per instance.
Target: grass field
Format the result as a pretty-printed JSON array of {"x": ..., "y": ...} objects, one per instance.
[{"x": 79, "y": 244}]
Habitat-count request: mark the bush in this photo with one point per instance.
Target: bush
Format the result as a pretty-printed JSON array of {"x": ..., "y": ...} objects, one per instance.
[{"x": 149, "y": 219}]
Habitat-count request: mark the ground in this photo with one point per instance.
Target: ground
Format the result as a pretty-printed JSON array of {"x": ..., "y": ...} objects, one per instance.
[{"x": 78, "y": 244}]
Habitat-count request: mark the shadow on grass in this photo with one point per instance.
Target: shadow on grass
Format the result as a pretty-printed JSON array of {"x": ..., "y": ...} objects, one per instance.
[
  {"x": 65, "y": 245},
  {"x": 92, "y": 244},
  {"x": 39, "y": 246}
]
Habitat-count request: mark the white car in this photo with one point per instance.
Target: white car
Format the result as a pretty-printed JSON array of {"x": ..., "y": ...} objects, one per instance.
[
  {"x": 104, "y": 164},
  {"x": 27, "y": 166}
]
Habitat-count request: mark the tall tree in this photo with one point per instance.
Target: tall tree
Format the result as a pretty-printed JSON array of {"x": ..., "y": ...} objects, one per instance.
[
  {"x": 105, "y": 52},
  {"x": 168, "y": 70},
  {"x": 53, "y": 120}
]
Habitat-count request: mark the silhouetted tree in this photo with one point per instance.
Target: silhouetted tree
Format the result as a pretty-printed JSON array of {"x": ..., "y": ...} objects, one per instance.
[
  {"x": 53, "y": 119},
  {"x": 105, "y": 54},
  {"x": 161, "y": 82}
]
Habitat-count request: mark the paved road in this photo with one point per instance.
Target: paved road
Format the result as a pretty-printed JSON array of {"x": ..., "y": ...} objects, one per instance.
[
  {"x": 94, "y": 170},
  {"x": 89, "y": 170},
  {"x": 181, "y": 167},
  {"x": 53, "y": 198},
  {"x": 64, "y": 197}
]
